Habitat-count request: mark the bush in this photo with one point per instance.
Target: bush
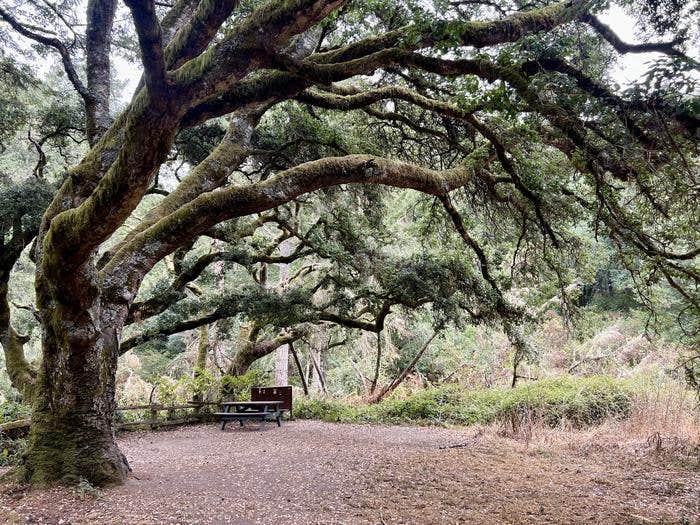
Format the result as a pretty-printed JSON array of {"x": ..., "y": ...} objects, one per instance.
[
  {"x": 237, "y": 388},
  {"x": 325, "y": 409},
  {"x": 578, "y": 402},
  {"x": 12, "y": 451},
  {"x": 11, "y": 411}
]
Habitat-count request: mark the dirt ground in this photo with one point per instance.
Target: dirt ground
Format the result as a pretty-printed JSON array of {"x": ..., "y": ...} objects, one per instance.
[{"x": 311, "y": 472}]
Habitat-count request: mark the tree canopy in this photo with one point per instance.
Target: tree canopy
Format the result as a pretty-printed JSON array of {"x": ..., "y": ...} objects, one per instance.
[{"x": 287, "y": 133}]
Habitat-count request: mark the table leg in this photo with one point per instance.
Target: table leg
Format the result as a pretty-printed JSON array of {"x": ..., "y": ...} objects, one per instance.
[{"x": 223, "y": 419}]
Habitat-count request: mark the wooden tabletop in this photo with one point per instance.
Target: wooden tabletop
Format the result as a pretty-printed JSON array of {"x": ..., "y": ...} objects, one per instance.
[{"x": 252, "y": 403}]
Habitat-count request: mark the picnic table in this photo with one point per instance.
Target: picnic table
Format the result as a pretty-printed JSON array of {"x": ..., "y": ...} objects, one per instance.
[{"x": 242, "y": 410}]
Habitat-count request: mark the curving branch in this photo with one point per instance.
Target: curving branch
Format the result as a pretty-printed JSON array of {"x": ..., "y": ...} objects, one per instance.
[
  {"x": 667, "y": 48},
  {"x": 175, "y": 328},
  {"x": 143, "y": 310},
  {"x": 510, "y": 168},
  {"x": 252, "y": 351},
  {"x": 22, "y": 373},
  {"x": 209, "y": 209},
  {"x": 56, "y": 44},
  {"x": 347, "y": 98},
  {"x": 385, "y": 51}
]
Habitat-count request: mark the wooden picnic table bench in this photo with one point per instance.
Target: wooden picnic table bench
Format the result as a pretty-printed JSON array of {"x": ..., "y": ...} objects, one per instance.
[{"x": 242, "y": 410}]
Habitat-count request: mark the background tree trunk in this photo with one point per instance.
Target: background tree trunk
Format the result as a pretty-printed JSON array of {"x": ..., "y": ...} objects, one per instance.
[
  {"x": 200, "y": 364},
  {"x": 317, "y": 355},
  {"x": 378, "y": 396},
  {"x": 282, "y": 353},
  {"x": 302, "y": 377},
  {"x": 282, "y": 365},
  {"x": 377, "y": 365}
]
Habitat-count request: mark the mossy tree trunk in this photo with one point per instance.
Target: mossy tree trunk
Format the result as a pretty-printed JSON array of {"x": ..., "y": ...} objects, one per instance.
[
  {"x": 251, "y": 351},
  {"x": 72, "y": 434}
]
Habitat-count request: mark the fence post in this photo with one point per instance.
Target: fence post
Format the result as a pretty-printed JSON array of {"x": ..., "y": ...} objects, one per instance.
[{"x": 154, "y": 417}]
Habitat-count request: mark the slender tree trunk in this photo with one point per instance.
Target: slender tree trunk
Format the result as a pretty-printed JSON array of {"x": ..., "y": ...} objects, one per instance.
[
  {"x": 377, "y": 364},
  {"x": 282, "y": 365},
  {"x": 299, "y": 369},
  {"x": 317, "y": 352},
  {"x": 402, "y": 376},
  {"x": 202, "y": 350},
  {"x": 319, "y": 382},
  {"x": 200, "y": 364},
  {"x": 309, "y": 369},
  {"x": 282, "y": 353}
]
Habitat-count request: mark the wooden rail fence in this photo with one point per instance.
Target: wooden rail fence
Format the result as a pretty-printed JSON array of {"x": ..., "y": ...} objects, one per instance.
[{"x": 20, "y": 427}]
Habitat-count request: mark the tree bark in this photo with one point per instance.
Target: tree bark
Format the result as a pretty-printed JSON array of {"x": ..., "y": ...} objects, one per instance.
[
  {"x": 200, "y": 364},
  {"x": 71, "y": 435},
  {"x": 251, "y": 351},
  {"x": 282, "y": 353},
  {"x": 242, "y": 361},
  {"x": 282, "y": 365},
  {"x": 317, "y": 351},
  {"x": 302, "y": 377},
  {"x": 98, "y": 38},
  {"x": 22, "y": 374}
]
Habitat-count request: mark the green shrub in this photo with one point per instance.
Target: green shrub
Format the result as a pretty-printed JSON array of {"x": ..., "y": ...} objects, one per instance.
[
  {"x": 430, "y": 406},
  {"x": 237, "y": 388},
  {"x": 325, "y": 409},
  {"x": 12, "y": 451},
  {"x": 11, "y": 411},
  {"x": 578, "y": 402}
]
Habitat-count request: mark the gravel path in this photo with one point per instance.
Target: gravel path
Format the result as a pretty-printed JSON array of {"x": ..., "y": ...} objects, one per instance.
[{"x": 311, "y": 472}]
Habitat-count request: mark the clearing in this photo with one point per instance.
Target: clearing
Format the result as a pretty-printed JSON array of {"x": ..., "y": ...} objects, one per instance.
[{"x": 312, "y": 472}]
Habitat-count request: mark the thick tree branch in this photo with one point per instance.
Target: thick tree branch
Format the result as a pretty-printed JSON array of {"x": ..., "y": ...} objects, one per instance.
[
  {"x": 151, "y": 44},
  {"x": 209, "y": 209},
  {"x": 98, "y": 38},
  {"x": 346, "y": 99},
  {"x": 477, "y": 33},
  {"x": 251, "y": 352}
]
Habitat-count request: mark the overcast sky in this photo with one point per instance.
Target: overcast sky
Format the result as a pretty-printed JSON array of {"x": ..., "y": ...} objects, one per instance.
[{"x": 631, "y": 66}]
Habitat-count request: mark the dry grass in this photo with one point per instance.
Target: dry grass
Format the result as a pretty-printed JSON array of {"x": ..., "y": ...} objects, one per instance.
[{"x": 664, "y": 422}]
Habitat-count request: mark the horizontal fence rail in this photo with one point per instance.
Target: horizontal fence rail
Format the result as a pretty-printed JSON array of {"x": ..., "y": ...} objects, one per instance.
[{"x": 20, "y": 427}]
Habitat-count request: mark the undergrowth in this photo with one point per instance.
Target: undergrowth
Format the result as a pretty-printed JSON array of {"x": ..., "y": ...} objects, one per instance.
[
  {"x": 574, "y": 402},
  {"x": 12, "y": 451}
]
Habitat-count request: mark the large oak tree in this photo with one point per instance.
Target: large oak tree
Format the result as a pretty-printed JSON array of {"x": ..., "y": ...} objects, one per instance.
[{"x": 493, "y": 84}]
